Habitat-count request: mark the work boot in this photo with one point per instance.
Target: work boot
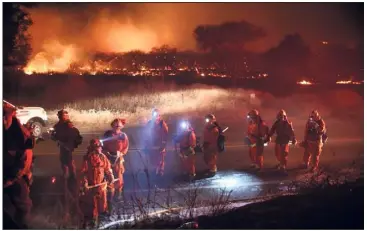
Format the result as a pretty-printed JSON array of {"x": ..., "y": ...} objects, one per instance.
[
  {"x": 211, "y": 174},
  {"x": 304, "y": 166},
  {"x": 118, "y": 197},
  {"x": 283, "y": 170},
  {"x": 94, "y": 223},
  {"x": 313, "y": 169},
  {"x": 253, "y": 166},
  {"x": 90, "y": 223},
  {"x": 110, "y": 208},
  {"x": 278, "y": 166},
  {"x": 192, "y": 177},
  {"x": 158, "y": 182}
]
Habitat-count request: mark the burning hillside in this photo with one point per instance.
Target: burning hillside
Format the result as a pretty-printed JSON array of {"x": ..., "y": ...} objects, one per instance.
[
  {"x": 159, "y": 61},
  {"x": 137, "y": 40}
]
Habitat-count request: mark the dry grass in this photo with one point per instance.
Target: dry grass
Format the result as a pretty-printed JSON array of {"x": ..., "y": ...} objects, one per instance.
[
  {"x": 136, "y": 107},
  {"x": 340, "y": 109}
]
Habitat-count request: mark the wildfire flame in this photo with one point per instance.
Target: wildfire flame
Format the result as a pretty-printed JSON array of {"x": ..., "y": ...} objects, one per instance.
[
  {"x": 349, "y": 82},
  {"x": 304, "y": 82},
  {"x": 55, "y": 58}
]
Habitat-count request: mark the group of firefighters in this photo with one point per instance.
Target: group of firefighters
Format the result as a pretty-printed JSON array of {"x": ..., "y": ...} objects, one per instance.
[
  {"x": 259, "y": 134},
  {"x": 103, "y": 165}
]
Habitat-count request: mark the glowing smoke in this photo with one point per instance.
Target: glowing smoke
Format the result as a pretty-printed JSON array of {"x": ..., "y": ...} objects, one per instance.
[
  {"x": 120, "y": 27},
  {"x": 55, "y": 57}
]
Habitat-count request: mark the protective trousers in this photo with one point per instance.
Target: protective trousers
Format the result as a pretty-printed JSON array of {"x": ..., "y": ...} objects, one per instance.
[
  {"x": 115, "y": 190},
  {"x": 157, "y": 159},
  {"x": 281, "y": 153},
  {"x": 17, "y": 203},
  {"x": 118, "y": 172},
  {"x": 188, "y": 163},
  {"x": 68, "y": 169},
  {"x": 94, "y": 202},
  {"x": 256, "y": 155},
  {"x": 210, "y": 158},
  {"x": 312, "y": 153}
]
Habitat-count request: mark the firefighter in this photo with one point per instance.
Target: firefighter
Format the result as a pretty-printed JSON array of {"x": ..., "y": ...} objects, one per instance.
[
  {"x": 68, "y": 138},
  {"x": 187, "y": 142},
  {"x": 257, "y": 132},
  {"x": 313, "y": 140},
  {"x": 285, "y": 133},
  {"x": 210, "y": 143},
  {"x": 95, "y": 168},
  {"x": 155, "y": 144},
  {"x": 18, "y": 157},
  {"x": 116, "y": 146}
]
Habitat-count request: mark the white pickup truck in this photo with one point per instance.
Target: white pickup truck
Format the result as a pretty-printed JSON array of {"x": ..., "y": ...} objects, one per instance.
[{"x": 36, "y": 116}]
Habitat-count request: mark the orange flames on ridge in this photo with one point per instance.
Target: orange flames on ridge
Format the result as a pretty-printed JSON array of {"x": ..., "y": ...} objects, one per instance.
[
  {"x": 349, "y": 82},
  {"x": 55, "y": 58},
  {"x": 304, "y": 82}
]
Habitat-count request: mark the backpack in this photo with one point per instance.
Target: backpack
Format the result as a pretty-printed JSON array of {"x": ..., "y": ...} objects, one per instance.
[
  {"x": 160, "y": 123},
  {"x": 178, "y": 137},
  {"x": 221, "y": 139},
  {"x": 324, "y": 137},
  {"x": 78, "y": 139}
]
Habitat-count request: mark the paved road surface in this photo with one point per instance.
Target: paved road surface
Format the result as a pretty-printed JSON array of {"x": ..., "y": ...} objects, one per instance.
[
  {"x": 234, "y": 174},
  {"x": 336, "y": 153}
]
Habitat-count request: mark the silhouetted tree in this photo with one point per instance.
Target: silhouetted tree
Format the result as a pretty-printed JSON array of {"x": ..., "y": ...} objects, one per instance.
[
  {"x": 227, "y": 36},
  {"x": 164, "y": 56},
  {"x": 136, "y": 59},
  {"x": 289, "y": 60},
  {"x": 16, "y": 46}
]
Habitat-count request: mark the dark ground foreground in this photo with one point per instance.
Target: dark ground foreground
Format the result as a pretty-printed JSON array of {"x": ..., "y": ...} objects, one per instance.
[{"x": 331, "y": 207}]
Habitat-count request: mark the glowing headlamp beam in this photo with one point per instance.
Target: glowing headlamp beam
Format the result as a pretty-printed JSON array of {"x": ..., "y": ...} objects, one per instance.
[
  {"x": 106, "y": 139},
  {"x": 184, "y": 125}
]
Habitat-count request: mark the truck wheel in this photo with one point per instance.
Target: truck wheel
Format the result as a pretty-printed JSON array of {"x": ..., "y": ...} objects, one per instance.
[{"x": 37, "y": 129}]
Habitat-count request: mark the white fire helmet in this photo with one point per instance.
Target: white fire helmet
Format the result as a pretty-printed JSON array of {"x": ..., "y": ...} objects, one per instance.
[{"x": 209, "y": 117}]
